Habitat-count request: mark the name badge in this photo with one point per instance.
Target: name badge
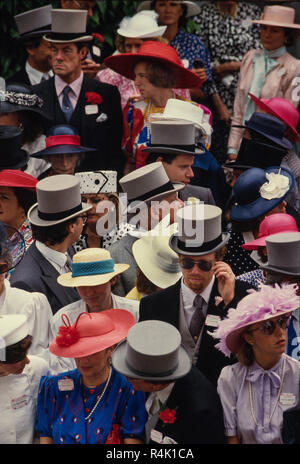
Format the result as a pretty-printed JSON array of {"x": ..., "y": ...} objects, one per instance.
[
  {"x": 65, "y": 384},
  {"x": 212, "y": 321},
  {"x": 287, "y": 399},
  {"x": 96, "y": 51},
  {"x": 156, "y": 436},
  {"x": 20, "y": 402},
  {"x": 91, "y": 109}
]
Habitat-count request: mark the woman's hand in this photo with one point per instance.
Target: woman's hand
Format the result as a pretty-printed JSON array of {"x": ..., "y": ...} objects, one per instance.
[
  {"x": 200, "y": 72},
  {"x": 46, "y": 441}
]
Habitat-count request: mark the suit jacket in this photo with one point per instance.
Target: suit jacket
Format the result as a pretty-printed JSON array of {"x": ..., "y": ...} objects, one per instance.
[
  {"x": 121, "y": 252},
  {"x": 204, "y": 194},
  {"x": 105, "y": 136},
  {"x": 20, "y": 77},
  {"x": 199, "y": 415},
  {"x": 164, "y": 306},
  {"x": 35, "y": 274}
]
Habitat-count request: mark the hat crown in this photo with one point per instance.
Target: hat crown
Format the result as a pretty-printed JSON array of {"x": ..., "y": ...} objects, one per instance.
[
  {"x": 13, "y": 329},
  {"x": 94, "y": 324},
  {"x": 144, "y": 22},
  {"x": 172, "y": 133},
  {"x": 278, "y": 13},
  {"x": 267, "y": 123},
  {"x": 160, "y": 50},
  {"x": 277, "y": 223},
  {"x": 69, "y": 21},
  {"x": 62, "y": 129},
  {"x": 258, "y": 154},
  {"x": 247, "y": 185},
  {"x": 29, "y": 21},
  {"x": 283, "y": 251},
  {"x": 283, "y": 108},
  {"x": 89, "y": 255}
]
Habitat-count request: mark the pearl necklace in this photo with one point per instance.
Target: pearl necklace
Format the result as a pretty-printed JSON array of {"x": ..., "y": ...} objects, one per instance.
[{"x": 100, "y": 397}]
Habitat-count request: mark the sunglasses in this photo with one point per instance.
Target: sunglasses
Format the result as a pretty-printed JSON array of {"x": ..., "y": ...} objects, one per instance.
[
  {"x": 187, "y": 263},
  {"x": 269, "y": 326}
]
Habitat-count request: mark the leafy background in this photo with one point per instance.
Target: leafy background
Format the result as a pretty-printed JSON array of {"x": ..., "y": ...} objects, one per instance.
[{"x": 107, "y": 15}]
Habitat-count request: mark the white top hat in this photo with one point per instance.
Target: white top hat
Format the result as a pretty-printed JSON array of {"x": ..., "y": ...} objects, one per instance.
[
  {"x": 68, "y": 26},
  {"x": 13, "y": 329},
  {"x": 192, "y": 7},
  {"x": 142, "y": 25},
  {"x": 34, "y": 22},
  {"x": 97, "y": 181}
]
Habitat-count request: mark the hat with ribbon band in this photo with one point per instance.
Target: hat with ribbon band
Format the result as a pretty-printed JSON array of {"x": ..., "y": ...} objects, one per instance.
[
  {"x": 283, "y": 251},
  {"x": 68, "y": 26}
]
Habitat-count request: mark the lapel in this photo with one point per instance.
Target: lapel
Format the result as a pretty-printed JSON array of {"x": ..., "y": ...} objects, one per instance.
[{"x": 172, "y": 304}]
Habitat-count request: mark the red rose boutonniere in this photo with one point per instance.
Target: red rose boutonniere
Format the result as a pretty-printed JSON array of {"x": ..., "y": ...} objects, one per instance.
[
  {"x": 93, "y": 98},
  {"x": 98, "y": 37},
  {"x": 167, "y": 415}
]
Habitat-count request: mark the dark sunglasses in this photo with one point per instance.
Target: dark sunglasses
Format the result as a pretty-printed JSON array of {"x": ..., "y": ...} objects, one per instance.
[
  {"x": 269, "y": 326},
  {"x": 187, "y": 263}
]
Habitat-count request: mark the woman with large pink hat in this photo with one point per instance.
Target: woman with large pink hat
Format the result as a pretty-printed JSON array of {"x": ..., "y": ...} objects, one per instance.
[
  {"x": 92, "y": 404},
  {"x": 265, "y": 381}
]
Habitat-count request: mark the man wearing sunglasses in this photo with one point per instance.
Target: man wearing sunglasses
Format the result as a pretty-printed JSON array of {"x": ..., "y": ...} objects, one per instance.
[{"x": 201, "y": 298}]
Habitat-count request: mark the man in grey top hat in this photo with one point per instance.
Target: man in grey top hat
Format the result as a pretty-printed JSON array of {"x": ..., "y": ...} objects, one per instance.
[
  {"x": 198, "y": 301},
  {"x": 173, "y": 143},
  {"x": 57, "y": 221}
]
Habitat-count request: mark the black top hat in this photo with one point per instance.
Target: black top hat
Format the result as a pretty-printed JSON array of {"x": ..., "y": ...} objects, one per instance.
[
  {"x": 20, "y": 97},
  {"x": 257, "y": 155},
  {"x": 11, "y": 154}
]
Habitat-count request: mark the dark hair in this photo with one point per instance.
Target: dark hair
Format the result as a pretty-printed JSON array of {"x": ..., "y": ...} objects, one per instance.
[
  {"x": 246, "y": 226},
  {"x": 245, "y": 354},
  {"x": 159, "y": 74},
  {"x": 167, "y": 157},
  {"x": 182, "y": 19},
  {"x": 52, "y": 234},
  {"x": 26, "y": 198},
  {"x": 143, "y": 284},
  {"x": 32, "y": 125},
  {"x": 262, "y": 256},
  {"x": 33, "y": 42},
  {"x": 291, "y": 36},
  {"x": 17, "y": 352}
]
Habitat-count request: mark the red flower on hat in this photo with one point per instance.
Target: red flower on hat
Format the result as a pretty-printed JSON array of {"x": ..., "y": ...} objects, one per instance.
[
  {"x": 98, "y": 37},
  {"x": 93, "y": 98},
  {"x": 67, "y": 336},
  {"x": 168, "y": 416}
]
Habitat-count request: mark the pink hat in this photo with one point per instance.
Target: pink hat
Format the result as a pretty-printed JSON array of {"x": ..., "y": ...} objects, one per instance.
[
  {"x": 91, "y": 333},
  {"x": 277, "y": 15},
  {"x": 271, "y": 225},
  {"x": 261, "y": 305},
  {"x": 280, "y": 108}
]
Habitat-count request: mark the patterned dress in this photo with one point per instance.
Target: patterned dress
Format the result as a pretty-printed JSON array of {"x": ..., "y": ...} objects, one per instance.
[{"x": 227, "y": 38}]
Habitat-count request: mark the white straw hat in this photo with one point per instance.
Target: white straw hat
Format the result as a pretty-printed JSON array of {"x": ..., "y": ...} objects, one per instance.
[{"x": 142, "y": 25}]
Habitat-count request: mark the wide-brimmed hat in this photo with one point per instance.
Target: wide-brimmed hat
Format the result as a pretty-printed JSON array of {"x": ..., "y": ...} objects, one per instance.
[
  {"x": 58, "y": 200},
  {"x": 254, "y": 154},
  {"x": 142, "y": 25},
  {"x": 148, "y": 183},
  {"x": 283, "y": 251},
  {"x": 13, "y": 329},
  {"x": 199, "y": 230},
  {"x": 124, "y": 63},
  {"x": 20, "y": 97},
  {"x": 62, "y": 139},
  {"x": 271, "y": 225},
  {"x": 280, "y": 108},
  {"x": 192, "y": 8},
  {"x": 277, "y": 15},
  {"x": 90, "y": 267},
  {"x": 257, "y": 191},
  {"x": 34, "y": 23},
  {"x": 174, "y": 137},
  {"x": 157, "y": 261},
  {"x": 68, "y": 26},
  {"x": 10, "y": 241},
  {"x": 152, "y": 352},
  {"x": 268, "y": 126},
  {"x": 19, "y": 179},
  {"x": 188, "y": 111},
  {"x": 91, "y": 333},
  {"x": 97, "y": 181},
  {"x": 11, "y": 154},
  {"x": 261, "y": 305}
]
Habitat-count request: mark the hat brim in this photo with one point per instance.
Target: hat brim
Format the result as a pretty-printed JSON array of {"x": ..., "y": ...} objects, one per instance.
[
  {"x": 268, "y": 109},
  {"x": 174, "y": 151},
  {"x": 137, "y": 204},
  {"x": 192, "y": 8},
  {"x": 84, "y": 38},
  {"x": 6, "y": 107},
  {"x": 20, "y": 164},
  {"x": 235, "y": 165},
  {"x": 275, "y": 23},
  {"x": 267, "y": 267},
  {"x": 124, "y": 64},
  {"x": 174, "y": 245},
  {"x": 85, "y": 346},
  {"x": 284, "y": 143},
  {"x": 62, "y": 149},
  {"x": 34, "y": 218},
  {"x": 34, "y": 34},
  {"x": 119, "y": 363},
  {"x": 146, "y": 35},
  {"x": 66, "y": 280}
]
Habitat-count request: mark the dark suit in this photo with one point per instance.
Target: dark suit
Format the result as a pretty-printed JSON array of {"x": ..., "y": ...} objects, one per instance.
[
  {"x": 199, "y": 415},
  {"x": 106, "y": 136},
  {"x": 35, "y": 274},
  {"x": 202, "y": 193},
  {"x": 21, "y": 77},
  {"x": 121, "y": 252},
  {"x": 164, "y": 306}
]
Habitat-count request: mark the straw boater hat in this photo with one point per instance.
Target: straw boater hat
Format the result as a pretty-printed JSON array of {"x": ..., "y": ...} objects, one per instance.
[
  {"x": 259, "y": 306},
  {"x": 13, "y": 329},
  {"x": 34, "y": 23},
  {"x": 277, "y": 15},
  {"x": 148, "y": 183},
  {"x": 97, "y": 181},
  {"x": 58, "y": 200},
  {"x": 192, "y": 8},
  {"x": 90, "y": 267},
  {"x": 142, "y": 25},
  {"x": 68, "y": 26},
  {"x": 91, "y": 333},
  {"x": 152, "y": 352},
  {"x": 124, "y": 63},
  {"x": 199, "y": 230},
  {"x": 283, "y": 251}
]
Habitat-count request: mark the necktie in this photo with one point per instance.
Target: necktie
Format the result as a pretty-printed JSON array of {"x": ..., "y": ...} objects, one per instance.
[
  {"x": 45, "y": 77},
  {"x": 67, "y": 107},
  {"x": 198, "y": 318},
  {"x": 152, "y": 418}
]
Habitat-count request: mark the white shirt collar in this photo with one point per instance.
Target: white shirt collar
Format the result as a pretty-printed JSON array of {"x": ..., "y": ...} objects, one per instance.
[
  {"x": 189, "y": 295},
  {"x": 55, "y": 257},
  {"x": 162, "y": 396},
  {"x": 35, "y": 76}
]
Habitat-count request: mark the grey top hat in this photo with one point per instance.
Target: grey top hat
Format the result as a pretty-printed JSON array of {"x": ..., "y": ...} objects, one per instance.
[
  {"x": 68, "y": 26},
  {"x": 58, "y": 200},
  {"x": 177, "y": 137},
  {"x": 146, "y": 184},
  {"x": 34, "y": 23},
  {"x": 283, "y": 251},
  {"x": 199, "y": 230},
  {"x": 152, "y": 352}
]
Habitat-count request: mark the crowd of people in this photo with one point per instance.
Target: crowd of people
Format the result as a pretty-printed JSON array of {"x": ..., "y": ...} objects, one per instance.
[{"x": 150, "y": 228}]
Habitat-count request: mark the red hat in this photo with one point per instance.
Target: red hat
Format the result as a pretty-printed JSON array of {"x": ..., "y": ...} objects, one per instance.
[
  {"x": 91, "y": 333},
  {"x": 280, "y": 108},
  {"x": 14, "y": 178},
  {"x": 124, "y": 63},
  {"x": 271, "y": 225}
]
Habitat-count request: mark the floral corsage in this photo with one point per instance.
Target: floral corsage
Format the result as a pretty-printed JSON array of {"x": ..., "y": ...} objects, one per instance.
[
  {"x": 93, "y": 98},
  {"x": 167, "y": 415}
]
